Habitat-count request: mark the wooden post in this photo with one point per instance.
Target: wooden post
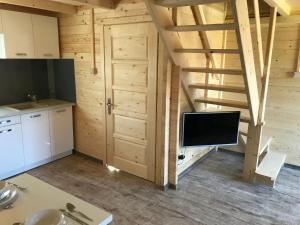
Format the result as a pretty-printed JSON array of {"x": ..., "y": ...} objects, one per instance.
[
  {"x": 243, "y": 33},
  {"x": 255, "y": 132},
  {"x": 174, "y": 124},
  {"x": 163, "y": 116}
]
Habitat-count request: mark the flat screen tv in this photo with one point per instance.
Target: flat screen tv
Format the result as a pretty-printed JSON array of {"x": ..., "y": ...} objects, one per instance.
[{"x": 210, "y": 128}]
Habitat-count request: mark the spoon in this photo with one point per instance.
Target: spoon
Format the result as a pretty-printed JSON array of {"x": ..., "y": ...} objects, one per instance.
[{"x": 72, "y": 208}]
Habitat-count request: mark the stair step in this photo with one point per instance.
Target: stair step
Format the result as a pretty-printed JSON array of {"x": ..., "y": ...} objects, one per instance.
[
  {"x": 223, "y": 102},
  {"x": 216, "y": 87},
  {"x": 206, "y": 27},
  {"x": 270, "y": 166},
  {"x": 244, "y": 133},
  {"x": 245, "y": 119},
  {"x": 178, "y": 3},
  {"x": 205, "y": 51},
  {"x": 264, "y": 143},
  {"x": 213, "y": 71}
]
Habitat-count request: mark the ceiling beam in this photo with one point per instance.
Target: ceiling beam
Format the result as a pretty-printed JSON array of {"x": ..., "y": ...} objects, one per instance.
[
  {"x": 44, "y": 5},
  {"x": 283, "y": 7},
  {"x": 92, "y": 3}
]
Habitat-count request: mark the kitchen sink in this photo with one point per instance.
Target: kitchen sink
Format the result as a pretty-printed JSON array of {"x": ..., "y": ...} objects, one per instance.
[{"x": 26, "y": 106}]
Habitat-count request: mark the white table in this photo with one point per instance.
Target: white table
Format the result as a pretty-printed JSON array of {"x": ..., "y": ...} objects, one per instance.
[{"x": 41, "y": 195}]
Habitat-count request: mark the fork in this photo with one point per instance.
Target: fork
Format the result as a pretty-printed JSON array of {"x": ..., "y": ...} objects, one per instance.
[{"x": 18, "y": 186}]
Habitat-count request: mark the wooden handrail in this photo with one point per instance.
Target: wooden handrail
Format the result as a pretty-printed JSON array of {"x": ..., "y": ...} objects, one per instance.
[{"x": 267, "y": 65}]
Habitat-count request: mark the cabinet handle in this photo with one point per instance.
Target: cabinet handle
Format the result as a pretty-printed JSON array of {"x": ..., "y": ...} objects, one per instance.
[
  {"x": 5, "y": 131},
  {"x": 21, "y": 54},
  {"x": 35, "y": 116},
  {"x": 5, "y": 122},
  {"x": 61, "y": 110},
  {"x": 48, "y": 55}
]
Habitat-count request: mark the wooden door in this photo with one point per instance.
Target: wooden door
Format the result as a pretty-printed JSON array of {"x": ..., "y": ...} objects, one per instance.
[{"x": 131, "y": 75}]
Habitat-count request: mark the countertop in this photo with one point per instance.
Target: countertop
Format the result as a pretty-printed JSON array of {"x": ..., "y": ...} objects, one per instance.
[{"x": 46, "y": 104}]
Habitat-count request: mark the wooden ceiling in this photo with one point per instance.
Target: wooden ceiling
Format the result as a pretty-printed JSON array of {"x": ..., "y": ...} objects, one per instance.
[
  {"x": 285, "y": 7},
  {"x": 59, "y": 6}
]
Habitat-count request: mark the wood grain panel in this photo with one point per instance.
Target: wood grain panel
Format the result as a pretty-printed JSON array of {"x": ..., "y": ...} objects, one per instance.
[
  {"x": 130, "y": 127},
  {"x": 130, "y": 151},
  {"x": 130, "y": 75},
  {"x": 130, "y": 101},
  {"x": 123, "y": 48}
]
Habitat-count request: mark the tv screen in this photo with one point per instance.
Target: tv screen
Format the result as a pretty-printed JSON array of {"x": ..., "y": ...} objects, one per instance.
[{"x": 210, "y": 128}]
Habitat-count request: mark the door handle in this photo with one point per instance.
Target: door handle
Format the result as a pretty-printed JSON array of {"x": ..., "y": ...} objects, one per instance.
[{"x": 109, "y": 106}]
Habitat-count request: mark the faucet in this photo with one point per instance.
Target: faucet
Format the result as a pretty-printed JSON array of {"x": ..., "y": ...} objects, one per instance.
[{"x": 32, "y": 97}]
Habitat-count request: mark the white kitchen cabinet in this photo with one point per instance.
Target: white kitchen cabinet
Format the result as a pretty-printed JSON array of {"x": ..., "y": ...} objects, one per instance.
[
  {"x": 36, "y": 138},
  {"x": 11, "y": 151},
  {"x": 18, "y": 34},
  {"x": 61, "y": 131},
  {"x": 2, "y": 46},
  {"x": 45, "y": 32}
]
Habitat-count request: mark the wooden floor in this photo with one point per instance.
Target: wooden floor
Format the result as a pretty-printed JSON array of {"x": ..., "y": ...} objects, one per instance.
[{"x": 211, "y": 193}]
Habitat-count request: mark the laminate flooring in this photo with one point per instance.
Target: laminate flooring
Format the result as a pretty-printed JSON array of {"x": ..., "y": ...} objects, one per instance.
[{"x": 211, "y": 193}]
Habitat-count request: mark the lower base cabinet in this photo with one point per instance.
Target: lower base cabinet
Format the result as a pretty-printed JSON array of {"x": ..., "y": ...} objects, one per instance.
[
  {"x": 36, "y": 138},
  {"x": 61, "y": 131},
  {"x": 11, "y": 151}
]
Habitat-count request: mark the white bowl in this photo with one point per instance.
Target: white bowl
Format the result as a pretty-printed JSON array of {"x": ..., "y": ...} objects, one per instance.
[{"x": 46, "y": 217}]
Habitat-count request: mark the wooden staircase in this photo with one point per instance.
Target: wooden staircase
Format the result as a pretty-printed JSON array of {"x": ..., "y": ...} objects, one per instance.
[{"x": 261, "y": 164}]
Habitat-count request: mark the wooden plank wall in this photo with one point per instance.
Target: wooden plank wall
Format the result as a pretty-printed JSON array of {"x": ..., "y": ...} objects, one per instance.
[
  {"x": 283, "y": 108},
  {"x": 75, "y": 39}
]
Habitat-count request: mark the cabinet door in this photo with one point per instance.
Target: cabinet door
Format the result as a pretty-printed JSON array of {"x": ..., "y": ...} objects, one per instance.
[
  {"x": 36, "y": 137},
  {"x": 11, "y": 150},
  {"x": 18, "y": 35},
  {"x": 2, "y": 48},
  {"x": 45, "y": 30},
  {"x": 61, "y": 128}
]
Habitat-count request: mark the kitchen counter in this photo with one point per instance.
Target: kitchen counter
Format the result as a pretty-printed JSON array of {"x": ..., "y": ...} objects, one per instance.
[{"x": 46, "y": 104}]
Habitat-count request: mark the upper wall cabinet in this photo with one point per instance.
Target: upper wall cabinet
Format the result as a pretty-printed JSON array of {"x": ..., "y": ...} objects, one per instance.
[
  {"x": 18, "y": 34},
  {"x": 45, "y": 36},
  {"x": 29, "y": 36},
  {"x": 2, "y": 49}
]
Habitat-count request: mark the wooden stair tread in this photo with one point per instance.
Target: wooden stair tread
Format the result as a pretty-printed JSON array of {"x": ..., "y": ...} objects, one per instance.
[
  {"x": 244, "y": 133},
  {"x": 213, "y": 70},
  {"x": 178, "y": 3},
  {"x": 223, "y": 102},
  {"x": 205, "y": 51},
  {"x": 206, "y": 27},
  {"x": 245, "y": 119},
  {"x": 216, "y": 87},
  {"x": 264, "y": 142},
  {"x": 271, "y": 164}
]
